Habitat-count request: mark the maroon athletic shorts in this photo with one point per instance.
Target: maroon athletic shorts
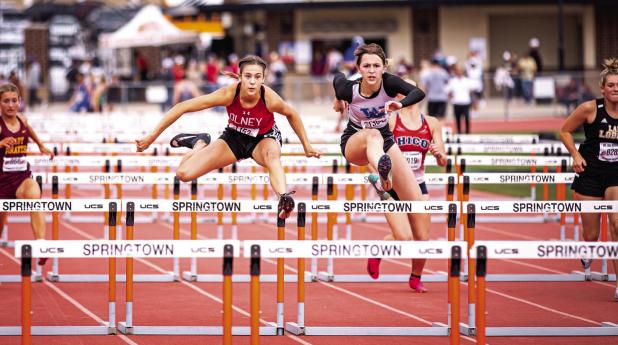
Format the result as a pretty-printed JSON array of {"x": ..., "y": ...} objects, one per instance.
[{"x": 9, "y": 182}]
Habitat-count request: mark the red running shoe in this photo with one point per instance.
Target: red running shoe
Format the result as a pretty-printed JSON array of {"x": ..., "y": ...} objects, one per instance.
[
  {"x": 416, "y": 284},
  {"x": 42, "y": 261},
  {"x": 384, "y": 169},
  {"x": 373, "y": 267}
]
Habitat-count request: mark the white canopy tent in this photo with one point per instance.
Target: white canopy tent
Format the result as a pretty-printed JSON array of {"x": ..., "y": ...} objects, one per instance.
[{"x": 148, "y": 28}]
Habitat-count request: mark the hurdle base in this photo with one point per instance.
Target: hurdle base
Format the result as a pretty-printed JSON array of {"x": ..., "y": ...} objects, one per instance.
[
  {"x": 566, "y": 277},
  {"x": 16, "y": 278},
  {"x": 242, "y": 278},
  {"x": 465, "y": 329},
  {"x": 7, "y": 244},
  {"x": 384, "y": 278},
  {"x": 606, "y": 329},
  {"x": 81, "y": 278},
  {"x": 606, "y": 277},
  {"x": 325, "y": 277},
  {"x": 60, "y": 330},
  {"x": 437, "y": 329},
  {"x": 191, "y": 330}
]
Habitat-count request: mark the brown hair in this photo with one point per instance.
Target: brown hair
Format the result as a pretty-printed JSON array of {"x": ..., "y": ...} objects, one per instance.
[
  {"x": 8, "y": 87},
  {"x": 610, "y": 67},
  {"x": 247, "y": 61},
  {"x": 370, "y": 48}
]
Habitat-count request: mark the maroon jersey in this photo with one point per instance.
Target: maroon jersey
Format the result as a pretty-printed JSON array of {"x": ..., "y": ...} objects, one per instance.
[
  {"x": 14, "y": 159},
  {"x": 14, "y": 168},
  {"x": 253, "y": 122},
  {"x": 414, "y": 144}
]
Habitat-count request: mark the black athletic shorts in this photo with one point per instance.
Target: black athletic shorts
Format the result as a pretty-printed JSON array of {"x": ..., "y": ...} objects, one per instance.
[
  {"x": 436, "y": 108},
  {"x": 351, "y": 129},
  {"x": 593, "y": 182},
  {"x": 423, "y": 186},
  {"x": 242, "y": 145}
]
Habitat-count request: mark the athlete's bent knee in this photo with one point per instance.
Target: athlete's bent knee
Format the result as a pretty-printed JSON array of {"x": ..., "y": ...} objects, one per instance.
[{"x": 183, "y": 175}]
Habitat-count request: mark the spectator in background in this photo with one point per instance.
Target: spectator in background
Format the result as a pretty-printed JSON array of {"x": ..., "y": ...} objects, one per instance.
[
  {"x": 534, "y": 45},
  {"x": 349, "y": 60},
  {"x": 402, "y": 68},
  {"x": 232, "y": 64},
  {"x": 527, "y": 68},
  {"x": 80, "y": 102},
  {"x": 193, "y": 73},
  {"x": 474, "y": 71},
  {"x": 459, "y": 89},
  {"x": 15, "y": 80},
  {"x": 33, "y": 81},
  {"x": 178, "y": 70},
  {"x": 318, "y": 75},
  {"x": 184, "y": 90},
  {"x": 434, "y": 82},
  {"x": 334, "y": 59},
  {"x": 277, "y": 72},
  {"x": 502, "y": 78},
  {"x": 99, "y": 96},
  {"x": 71, "y": 76},
  {"x": 213, "y": 67},
  {"x": 141, "y": 66}
]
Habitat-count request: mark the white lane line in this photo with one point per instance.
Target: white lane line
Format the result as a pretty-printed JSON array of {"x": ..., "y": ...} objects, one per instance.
[
  {"x": 71, "y": 300},
  {"x": 187, "y": 284},
  {"x": 543, "y": 307}
]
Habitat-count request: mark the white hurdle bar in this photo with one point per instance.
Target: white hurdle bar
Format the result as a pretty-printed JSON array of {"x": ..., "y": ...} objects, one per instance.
[
  {"x": 483, "y": 251},
  {"x": 366, "y": 249}
]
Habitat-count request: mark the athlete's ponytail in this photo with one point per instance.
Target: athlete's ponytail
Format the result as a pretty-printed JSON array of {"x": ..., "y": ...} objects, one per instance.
[{"x": 610, "y": 67}]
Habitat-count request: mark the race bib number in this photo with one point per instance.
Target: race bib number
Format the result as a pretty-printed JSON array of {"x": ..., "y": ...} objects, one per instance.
[
  {"x": 375, "y": 123},
  {"x": 253, "y": 132},
  {"x": 14, "y": 164},
  {"x": 414, "y": 159},
  {"x": 608, "y": 152}
]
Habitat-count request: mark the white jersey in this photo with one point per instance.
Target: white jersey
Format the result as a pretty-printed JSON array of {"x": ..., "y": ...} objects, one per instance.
[{"x": 368, "y": 112}]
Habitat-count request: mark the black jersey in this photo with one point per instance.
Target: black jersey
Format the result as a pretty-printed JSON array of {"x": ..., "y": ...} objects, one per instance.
[{"x": 600, "y": 149}]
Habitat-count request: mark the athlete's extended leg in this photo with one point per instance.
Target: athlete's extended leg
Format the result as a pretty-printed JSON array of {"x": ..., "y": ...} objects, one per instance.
[
  {"x": 29, "y": 189},
  {"x": 591, "y": 225},
  {"x": 366, "y": 147},
  {"x": 205, "y": 159},
  {"x": 202, "y": 141},
  {"x": 267, "y": 153}
]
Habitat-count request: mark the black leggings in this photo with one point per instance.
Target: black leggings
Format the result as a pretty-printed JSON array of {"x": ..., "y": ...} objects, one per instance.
[{"x": 460, "y": 110}]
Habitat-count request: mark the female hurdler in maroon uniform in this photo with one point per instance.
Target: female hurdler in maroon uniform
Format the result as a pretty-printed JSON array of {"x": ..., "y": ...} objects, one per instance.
[
  {"x": 251, "y": 131},
  {"x": 15, "y": 177}
]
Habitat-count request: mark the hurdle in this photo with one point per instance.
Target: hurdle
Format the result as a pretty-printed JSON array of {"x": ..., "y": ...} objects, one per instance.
[
  {"x": 518, "y": 161},
  {"x": 434, "y": 207},
  {"x": 353, "y": 249},
  {"x": 603, "y": 275},
  {"x": 26, "y": 250},
  {"x": 485, "y": 250},
  {"x": 501, "y": 207},
  {"x": 558, "y": 178},
  {"x": 188, "y": 248},
  {"x": 4, "y": 239}
]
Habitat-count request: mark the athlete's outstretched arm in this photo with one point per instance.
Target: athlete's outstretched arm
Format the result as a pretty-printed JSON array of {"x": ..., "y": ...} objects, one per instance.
[
  {"x": 578, "y": 117},
  {"x": 44, "y": 150},
  {"x": 277, "y": 105},
  {"x": 221, "y": 97},
  {"x": 437, "y": 144}
]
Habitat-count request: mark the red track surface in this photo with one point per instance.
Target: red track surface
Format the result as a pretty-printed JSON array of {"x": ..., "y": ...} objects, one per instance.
[{"x": 327, "y": 304}]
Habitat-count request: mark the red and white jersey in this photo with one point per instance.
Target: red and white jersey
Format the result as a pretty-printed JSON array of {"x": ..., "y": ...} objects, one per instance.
[
  {"x": 414, "y": 144},
  {"x": 253, "y": 122}
]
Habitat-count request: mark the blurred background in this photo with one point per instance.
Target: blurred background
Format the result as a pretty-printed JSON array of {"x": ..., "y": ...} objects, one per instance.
[{"x": 530, "y": 58}]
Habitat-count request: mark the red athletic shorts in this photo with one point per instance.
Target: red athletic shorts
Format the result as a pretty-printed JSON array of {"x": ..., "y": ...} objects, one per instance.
[{"x": 9, "y": 182}]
